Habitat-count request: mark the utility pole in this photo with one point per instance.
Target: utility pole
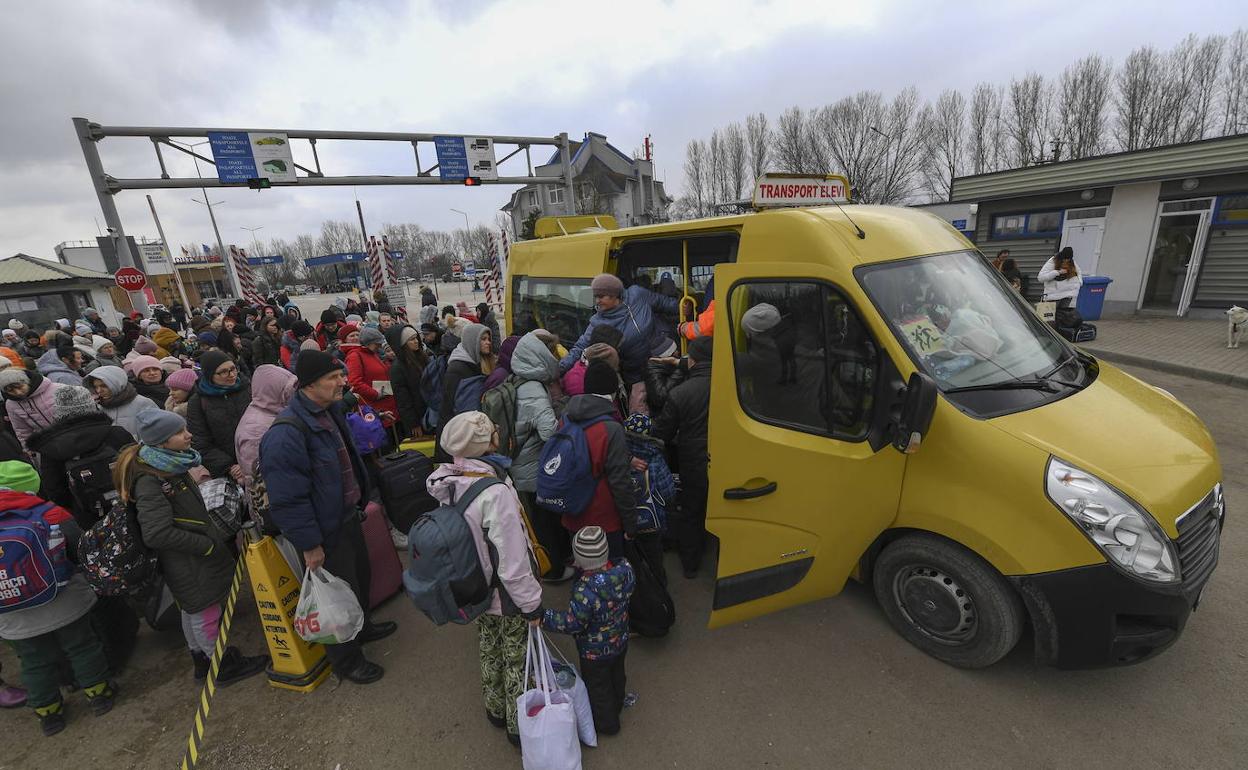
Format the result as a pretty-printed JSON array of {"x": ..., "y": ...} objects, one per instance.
[
  {"x": 255, "y": 244},
  {"x": 236, "y": 288},
  {"x": 177, "y": 277},
  {"x": 112, "y": 220},
  {"x": 364, "y": 235},
  {"x": 565, "y": 157}
]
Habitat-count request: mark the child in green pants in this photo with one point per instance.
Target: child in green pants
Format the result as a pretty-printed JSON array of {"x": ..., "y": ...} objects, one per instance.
[{"x": 42, "y": 634}]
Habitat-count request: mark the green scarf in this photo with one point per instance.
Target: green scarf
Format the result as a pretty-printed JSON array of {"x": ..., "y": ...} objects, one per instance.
[{"x": 168, "y": 460}]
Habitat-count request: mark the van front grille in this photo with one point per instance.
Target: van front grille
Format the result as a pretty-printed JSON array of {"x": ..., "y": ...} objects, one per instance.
[{"x": 1200, "y": 529}]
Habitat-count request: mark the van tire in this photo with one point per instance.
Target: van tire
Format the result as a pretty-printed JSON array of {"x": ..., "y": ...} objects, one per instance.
[{"x": 947, "y": 601}]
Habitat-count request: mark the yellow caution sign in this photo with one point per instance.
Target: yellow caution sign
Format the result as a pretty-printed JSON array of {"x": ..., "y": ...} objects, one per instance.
[{"x": 296, "y": 664}]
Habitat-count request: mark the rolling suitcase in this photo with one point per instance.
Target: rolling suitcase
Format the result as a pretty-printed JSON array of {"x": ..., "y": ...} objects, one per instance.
[
  {"x": 425, "y": 446},
  {"x": 403, "y": 493},
  {"x": 387, "y": 570}
]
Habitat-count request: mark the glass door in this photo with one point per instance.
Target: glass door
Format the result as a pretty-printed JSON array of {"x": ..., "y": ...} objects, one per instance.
[{"x": 1178, "y": 245}]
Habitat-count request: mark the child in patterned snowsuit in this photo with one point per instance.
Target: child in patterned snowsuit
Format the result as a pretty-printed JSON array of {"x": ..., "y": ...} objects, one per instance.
[{"x": 598, "y": 618}]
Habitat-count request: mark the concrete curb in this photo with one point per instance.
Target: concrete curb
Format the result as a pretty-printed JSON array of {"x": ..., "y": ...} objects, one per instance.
[{"x": 1195, "y": 372}]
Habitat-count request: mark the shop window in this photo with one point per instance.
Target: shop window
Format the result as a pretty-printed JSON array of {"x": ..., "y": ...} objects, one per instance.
[
  {"x": 1232, "y": 211},
  {"x": 562, "y": 306},
  {"x": 803, "y": 359},
  {"x": 1035, "y": 224}
]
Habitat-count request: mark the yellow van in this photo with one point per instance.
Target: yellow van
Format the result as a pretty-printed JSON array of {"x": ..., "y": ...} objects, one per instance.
[{"x": 885, "y": 407}]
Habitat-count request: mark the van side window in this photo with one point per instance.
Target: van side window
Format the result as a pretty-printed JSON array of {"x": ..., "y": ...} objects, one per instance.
[
  {"x": 562, "y": 306},
  {"x": 803, "y": 358}
]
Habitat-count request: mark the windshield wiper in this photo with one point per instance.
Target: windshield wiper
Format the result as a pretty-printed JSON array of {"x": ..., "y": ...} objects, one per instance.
[
  {"x": 1057, "y": 368},
  {"x": 1045, "y": 385}
]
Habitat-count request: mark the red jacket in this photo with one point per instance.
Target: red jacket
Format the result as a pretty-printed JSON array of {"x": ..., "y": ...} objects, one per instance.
[
  {"x": 325, "y": 338},
  {"x": 364, "y": 367},
  {"x": 612, "y": 507},
  {"x": 11, "y": 499}
]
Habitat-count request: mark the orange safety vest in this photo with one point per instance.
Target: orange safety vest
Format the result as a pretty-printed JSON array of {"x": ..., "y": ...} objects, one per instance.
[{"x": 702, "y": 326}]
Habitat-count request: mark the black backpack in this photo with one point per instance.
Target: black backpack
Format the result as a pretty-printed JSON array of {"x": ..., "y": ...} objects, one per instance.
[
  {"x": 90, "y": 478},
  {"x": 651, "y": 611}
]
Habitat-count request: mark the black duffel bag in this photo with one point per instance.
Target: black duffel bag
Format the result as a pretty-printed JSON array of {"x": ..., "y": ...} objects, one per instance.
[{"x": 651, "y": 611}]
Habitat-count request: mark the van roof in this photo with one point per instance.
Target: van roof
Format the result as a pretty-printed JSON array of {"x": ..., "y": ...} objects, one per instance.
[{"x": 893, "y": 232}]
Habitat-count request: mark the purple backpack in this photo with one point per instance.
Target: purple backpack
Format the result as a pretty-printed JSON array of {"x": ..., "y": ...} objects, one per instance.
[{"x": 367, "y": 429}]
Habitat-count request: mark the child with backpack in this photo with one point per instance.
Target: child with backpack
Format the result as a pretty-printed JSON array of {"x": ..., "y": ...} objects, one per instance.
[
  {"x": 44, "y": 603},
  {"x": 502, "y": 546},
  {"x": 466, "y": 369},
  {"x": 195, "y": 553},
  {"x": 655, "y": 487},
  {"x": 598, "y": 618},
  {"x": 584, "y": 469}
]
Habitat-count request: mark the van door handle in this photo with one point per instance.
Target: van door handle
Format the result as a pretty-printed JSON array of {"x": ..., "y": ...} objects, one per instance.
[{"x": 741, "y": 493}]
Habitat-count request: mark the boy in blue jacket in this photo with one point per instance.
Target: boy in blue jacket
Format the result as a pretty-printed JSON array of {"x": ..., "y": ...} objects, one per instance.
[{"x": 598, "y": 618}]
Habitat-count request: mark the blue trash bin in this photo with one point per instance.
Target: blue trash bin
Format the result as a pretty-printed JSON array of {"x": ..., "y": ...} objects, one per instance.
[{"x": 1092, "y": 296}]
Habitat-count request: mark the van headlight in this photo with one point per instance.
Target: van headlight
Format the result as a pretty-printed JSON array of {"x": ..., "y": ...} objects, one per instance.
[{"x": 1126, "y": 534}]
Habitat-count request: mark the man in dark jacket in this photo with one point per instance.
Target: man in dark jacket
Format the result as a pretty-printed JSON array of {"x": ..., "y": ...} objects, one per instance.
[
  {"x": 317, "y": 488},
  {"x": 613, "y": 506},
  {"x": 213, "y": 411},
  {"x": 683, "y": 420}
]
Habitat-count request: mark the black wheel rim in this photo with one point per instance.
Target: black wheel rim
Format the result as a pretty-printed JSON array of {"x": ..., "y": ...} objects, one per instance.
[{"x": 935, "y": 604}]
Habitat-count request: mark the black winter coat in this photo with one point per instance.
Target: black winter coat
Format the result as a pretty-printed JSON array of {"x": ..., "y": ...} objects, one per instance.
[
  {"x": 212, "y": 421},
  {"x": 455, "y": 371},
  {"x": 194, "y": 554},
  {"x": 64, "y": 440},
  {"x": 684, "y": 419},
  {"x": 407, "y": 396},
  {"x": 661, "y": 378},
  {"x": 266, "y": 349}
]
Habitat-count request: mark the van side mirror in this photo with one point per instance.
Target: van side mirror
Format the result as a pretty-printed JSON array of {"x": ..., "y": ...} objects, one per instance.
[{"x": 917, "y": 407}]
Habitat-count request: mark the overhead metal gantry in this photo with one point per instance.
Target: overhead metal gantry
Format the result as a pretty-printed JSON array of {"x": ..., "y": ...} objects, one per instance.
[{"x": 312, "y": 175}]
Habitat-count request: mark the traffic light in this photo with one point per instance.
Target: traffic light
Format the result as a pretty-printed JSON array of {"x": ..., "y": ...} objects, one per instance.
[
  {"x": 259, "y": 183},
  {"x": 472, "y": 181}
]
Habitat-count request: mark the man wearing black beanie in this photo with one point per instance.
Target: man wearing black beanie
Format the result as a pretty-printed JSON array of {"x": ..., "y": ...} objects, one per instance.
[
  {"x": 318, "y": 487},
  {"x": 683, "y": 420}
]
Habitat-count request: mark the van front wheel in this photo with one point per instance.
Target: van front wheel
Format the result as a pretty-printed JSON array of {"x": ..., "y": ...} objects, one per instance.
[{"x": 947, "y": 601}]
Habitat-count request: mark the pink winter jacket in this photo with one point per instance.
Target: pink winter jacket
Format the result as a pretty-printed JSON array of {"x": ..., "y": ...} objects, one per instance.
[
  {"x": 271, "y": 389},
  {"x": 33, "y": 413},
  {"x": 574, "y": 380},
  {"x": 496, "y": 514}
]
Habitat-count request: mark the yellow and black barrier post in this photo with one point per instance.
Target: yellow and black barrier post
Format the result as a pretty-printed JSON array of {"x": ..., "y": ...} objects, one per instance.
[
  {"x": 196, "y": 738},
  {"x": 295, "y": 664}
]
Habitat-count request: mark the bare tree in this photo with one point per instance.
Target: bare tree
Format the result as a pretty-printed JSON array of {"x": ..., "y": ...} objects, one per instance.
[
  {"x": 758, "y": 143},
  {"x": 695, "y": 178},
  {"x": 1235, "y": 84},
  {"x": 1082, "y": 105},
  {"x": 986, "y": 130},
  {"x": 903, "y": 126},
  {"x": 1028, "y": 119},
  {"x": 718, "y": 168},
  {"x": 945, "y": 144},
  {"x": 852, "y": 142},
  {"x": 1199, "y": 64},
  {"x": 794, "y": 150},
  {"x": 1138, "y": 86},
  {"x": 735, "y": 159}
]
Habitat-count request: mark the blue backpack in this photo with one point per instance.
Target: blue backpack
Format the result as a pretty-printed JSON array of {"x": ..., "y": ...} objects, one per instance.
[
  {"x": 28, "y": 576},
  {"x": 468, "y": 394},
  {"x": 431, "y": 390},
  {"x": 565, "y": 475}
]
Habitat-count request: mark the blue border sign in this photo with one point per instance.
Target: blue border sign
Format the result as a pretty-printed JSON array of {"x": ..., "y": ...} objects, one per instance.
[{"x": 452, "y": 158}]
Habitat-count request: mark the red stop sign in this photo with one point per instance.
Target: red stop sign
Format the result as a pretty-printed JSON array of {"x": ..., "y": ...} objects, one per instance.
[{"x": 131, "y": 279}]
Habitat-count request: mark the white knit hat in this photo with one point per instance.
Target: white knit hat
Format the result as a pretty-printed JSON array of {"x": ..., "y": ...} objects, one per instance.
[{"x": 468, "y": 434}]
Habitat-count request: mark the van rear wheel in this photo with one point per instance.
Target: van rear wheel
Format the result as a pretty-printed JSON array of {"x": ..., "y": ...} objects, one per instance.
[{"x": 947, "y": 601}]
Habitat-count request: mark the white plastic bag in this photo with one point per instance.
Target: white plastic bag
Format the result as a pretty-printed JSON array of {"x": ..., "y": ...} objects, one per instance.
[
  {"x": 580, "y": 698},
  {"x": 328, "y": 610},
  {"x": 547, "y": 720}
]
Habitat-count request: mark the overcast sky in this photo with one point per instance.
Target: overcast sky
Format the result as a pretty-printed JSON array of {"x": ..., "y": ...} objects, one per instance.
[{"x": 673, "y": 70}]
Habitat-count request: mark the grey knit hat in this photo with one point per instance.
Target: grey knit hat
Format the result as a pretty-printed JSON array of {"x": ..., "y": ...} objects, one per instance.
[
  {"x": 605, "y": 283},
  {"x": 156, "y": 426},
  {"x": 369, "y": 335},
  {"x": 589, "y": 547},
  {"x": 71, "y": 401}
]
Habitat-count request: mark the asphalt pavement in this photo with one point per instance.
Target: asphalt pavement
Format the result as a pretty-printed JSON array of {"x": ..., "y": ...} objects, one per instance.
[{"x": 824, "y": 685}]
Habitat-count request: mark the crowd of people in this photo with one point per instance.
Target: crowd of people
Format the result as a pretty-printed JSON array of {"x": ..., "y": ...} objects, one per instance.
[{"x": 157, "y": 406}]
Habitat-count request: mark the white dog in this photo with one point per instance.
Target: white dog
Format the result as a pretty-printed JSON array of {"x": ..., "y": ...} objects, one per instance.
[{"x": 1236, "y": 323}]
